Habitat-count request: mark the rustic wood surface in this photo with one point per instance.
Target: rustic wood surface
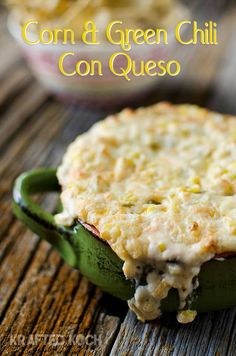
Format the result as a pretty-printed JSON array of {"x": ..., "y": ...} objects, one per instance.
[{"x": 39, "y": 294}]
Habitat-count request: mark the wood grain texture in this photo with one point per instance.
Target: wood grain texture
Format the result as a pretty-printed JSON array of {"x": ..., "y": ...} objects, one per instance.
[{"x": 41, "y": 296}]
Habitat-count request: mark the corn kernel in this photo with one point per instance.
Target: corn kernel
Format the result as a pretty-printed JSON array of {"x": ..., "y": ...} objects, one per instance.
[
  {"x": 116, "y": 233},
  {"x": 233, "y": 230},
  {"x": 121, "y": 167},
  {"x": 161, "y": 290},
  {"x": 105, "y": 235},
  {"x": 186, "y": 316},
  {"x": 196, "y": 188},
  {"x": 232, "y": 175},
  {"x": 151, "y": 209},
  {"x": 232, "y": 226},
  {"x": 136, "y": 155},
  {"x": 175, "y": 207},
  {"x": 162, "y": 247},
  {"x": 129, "y": 199},
  {"x": 195, "y": 180}
]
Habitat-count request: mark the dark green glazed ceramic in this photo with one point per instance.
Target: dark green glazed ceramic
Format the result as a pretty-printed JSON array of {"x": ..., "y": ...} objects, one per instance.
[{"x": 96, "y": 260}]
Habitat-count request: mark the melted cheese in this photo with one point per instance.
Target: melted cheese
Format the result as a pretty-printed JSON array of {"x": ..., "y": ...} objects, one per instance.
[{"x": 159, "y": 185}]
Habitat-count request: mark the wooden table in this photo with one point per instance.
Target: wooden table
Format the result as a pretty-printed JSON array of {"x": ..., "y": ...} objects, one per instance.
[{"x": 42, "y": 297}]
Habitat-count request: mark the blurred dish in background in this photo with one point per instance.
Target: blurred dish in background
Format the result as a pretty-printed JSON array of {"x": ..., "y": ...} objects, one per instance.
[
  {"x": 108, "y": 88},
  {"x": 70, "y": 13}
]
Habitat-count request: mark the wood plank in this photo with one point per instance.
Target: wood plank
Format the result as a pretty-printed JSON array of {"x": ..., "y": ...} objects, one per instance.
[
  {"x": 209, "y": 334},
  {"x": 12, "y": 121},
  {"x": 13, "y": 83}
]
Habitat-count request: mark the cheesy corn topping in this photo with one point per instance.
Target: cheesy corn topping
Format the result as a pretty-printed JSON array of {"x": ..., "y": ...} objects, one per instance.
[{"x": 159, "y": 185}]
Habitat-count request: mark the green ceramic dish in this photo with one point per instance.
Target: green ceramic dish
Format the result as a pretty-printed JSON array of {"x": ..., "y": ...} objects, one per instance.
[{"x": 96, "y": 260}]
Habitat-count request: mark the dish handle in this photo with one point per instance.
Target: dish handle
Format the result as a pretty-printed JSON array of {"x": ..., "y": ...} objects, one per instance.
[{"x": 38, "y": 220}]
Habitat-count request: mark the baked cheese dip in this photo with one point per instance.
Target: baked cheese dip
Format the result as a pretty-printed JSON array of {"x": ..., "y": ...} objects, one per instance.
[{"x": 158, "y": 185}]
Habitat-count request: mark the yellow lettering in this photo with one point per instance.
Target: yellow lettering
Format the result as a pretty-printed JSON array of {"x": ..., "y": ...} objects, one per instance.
[
  {"x": 90, "y": 29},
  {"x": 89, "y": 68},
  {"x": 161, "y": 65},
  {"x": 149, "y": 66},
  {"x": 198, "y": 31},
  {"x": 24, "y": 32},
  {"x": 177, "y": 68},
  {"x": 123, "y": 71},
  {"x": 178, "y": 35},
  {"x": 148, "y": 35},
  {"x": 46, "y": 36},
  {"x": 68, "y": 36},
  {"x": 95, "y": 63},
  {"x": 137, "y": 35},
  {"x": 121, "y": 40},
  {"x": 61, "y": 64}
]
